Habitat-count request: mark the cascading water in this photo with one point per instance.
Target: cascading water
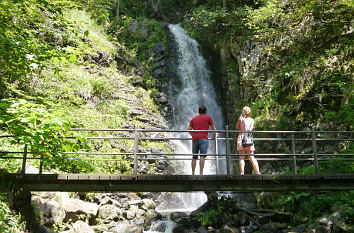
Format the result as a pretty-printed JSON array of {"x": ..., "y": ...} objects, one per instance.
[{"x": 190, "y": 87}]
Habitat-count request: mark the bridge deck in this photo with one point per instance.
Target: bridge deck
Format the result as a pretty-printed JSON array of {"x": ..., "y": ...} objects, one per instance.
[{"x": 174, "y": 183}]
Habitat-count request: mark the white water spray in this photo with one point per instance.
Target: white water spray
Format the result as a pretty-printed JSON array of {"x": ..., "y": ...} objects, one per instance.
[{"x": 190, "y": 87}]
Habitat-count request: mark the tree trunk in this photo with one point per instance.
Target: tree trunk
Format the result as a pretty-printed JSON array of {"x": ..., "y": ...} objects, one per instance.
[
  {"x": 117, "y": 10},
  {"x": 224, "y": 4}
]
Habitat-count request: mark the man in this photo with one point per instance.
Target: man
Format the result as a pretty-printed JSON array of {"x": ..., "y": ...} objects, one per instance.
[{"x": 200, "y": 139}]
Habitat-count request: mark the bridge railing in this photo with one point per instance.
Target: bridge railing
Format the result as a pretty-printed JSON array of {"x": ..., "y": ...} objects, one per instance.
[{"x": 225, "y": 139}]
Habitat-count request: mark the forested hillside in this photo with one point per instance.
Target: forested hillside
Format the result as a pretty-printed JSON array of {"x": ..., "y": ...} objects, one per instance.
[
  {"x": 96, "y": 64},
  {"x": 60, "y": 69}
]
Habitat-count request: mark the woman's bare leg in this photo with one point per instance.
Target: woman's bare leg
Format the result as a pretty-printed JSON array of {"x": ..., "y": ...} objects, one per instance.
[
  {"x": 241, "y": 161},
  {"x": 254, "y": 162}
]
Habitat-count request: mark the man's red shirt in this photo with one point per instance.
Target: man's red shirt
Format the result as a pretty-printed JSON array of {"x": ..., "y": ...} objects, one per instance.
[{"x": 200, "y": 122}]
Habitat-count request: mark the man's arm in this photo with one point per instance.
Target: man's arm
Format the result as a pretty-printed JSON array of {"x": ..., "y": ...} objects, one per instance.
[
  {"x": 213, "y": 128},
  {"x": 190, "y": 128}
]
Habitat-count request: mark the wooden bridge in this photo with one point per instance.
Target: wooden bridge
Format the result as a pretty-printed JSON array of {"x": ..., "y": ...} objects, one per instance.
[
  {"x": 136, "y": 182},
  {"x": 175, "y": 183}
]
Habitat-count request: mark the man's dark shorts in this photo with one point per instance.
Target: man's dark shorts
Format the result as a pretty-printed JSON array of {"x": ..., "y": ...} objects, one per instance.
[{"x": 200, "y": 145}]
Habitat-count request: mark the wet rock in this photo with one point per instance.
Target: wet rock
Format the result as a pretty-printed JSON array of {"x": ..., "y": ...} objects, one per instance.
[
  {"x": 160, "y": 64},
  {"x": 161, "y": 98},
  {"x": 143, "y": 168},
  {"x": 158, "y": 49},
  {"x": 242, "y": 218},
  {"x": 108, "y": 212},
  {"x": 273, "y": 227},
  {"x": 178, "y": 217},
  {"x": 150, "y": 217},
  {"x": 138, "y": 203},
  {"x": 129, "y": 214},
  {"x": 247, "y": 200},
  {"x": 299, "y": 229},
  {"x": 204, "y": 230},
  {"x": 341, "y": 227},
  {"x": 136, "y": 80},
  {"x": 140, "y": 213},
  {"x": 120, "y": 228},
  {"x": 158, "y": 73},
  {"x": 138, "y": 27},
  {"x": 159, "y": 58},
  {"x": 158, "y": 226},
  {"x": 76, "y": 209},
  {"x": 106, "y": 200},
  {"x": 148, "y": 204},
  {"x": 99, "y": 228},
  {"x": 230, "y": 229},
  {"x": 82, "y": 227},
  {"x": 179, "y": 229},
  {"x": 101, "y": 58}
]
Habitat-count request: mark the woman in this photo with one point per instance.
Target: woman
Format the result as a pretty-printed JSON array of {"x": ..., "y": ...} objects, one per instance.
[{"x": 245, "y": 123}]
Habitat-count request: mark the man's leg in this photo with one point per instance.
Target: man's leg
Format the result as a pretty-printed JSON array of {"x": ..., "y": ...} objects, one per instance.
[
  {"x": 204, "y": 143},
  {"x": 194, "y": 162},
  {"x": 195, "y": 151},
  {"x": 201, "y": 164}
]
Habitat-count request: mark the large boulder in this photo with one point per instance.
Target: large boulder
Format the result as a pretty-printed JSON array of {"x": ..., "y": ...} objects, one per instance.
[
  {"x": 48, "y": 208},
  {"x": 148, "y": 204},
  {"x": 108, "y": 212},
  {"x": 82, "y": 227},
  {"x": 150, "y": 217},
  {"x": 126, "y": 228},
  {"x": 79, "y": 210},
  {"x": 273, "y": 227},
  {"x": 158, "y": 226}
]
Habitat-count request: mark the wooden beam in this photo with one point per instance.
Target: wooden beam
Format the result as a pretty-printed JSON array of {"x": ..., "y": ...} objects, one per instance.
[{"x": 174, "y": 183}]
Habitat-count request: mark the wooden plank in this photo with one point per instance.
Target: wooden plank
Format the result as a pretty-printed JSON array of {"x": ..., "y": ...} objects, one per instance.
[
  {"x": 150, "y": 183},
  {"x": 72, "y": 177},
  {"x": 150, "y": 177}
]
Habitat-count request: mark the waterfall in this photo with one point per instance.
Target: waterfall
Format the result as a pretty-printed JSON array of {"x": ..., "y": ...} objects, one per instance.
[{"x": 190, "y": 87}]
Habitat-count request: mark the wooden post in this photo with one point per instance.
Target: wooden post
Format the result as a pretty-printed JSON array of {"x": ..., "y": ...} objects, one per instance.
[
  {"x": 41, "y": 165},
  {"x": 294, "y": 152},
  {"x": 24, "y": 160},
  {"x": 216, "y": 154},
  {"x": 227, "y": 151},
  {"x": 136, "y": 143},
  {"x": 314, "y": 148}
]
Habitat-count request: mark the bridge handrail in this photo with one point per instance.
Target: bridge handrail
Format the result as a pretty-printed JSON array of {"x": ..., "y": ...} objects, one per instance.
[{"x": 228, "y": 156}]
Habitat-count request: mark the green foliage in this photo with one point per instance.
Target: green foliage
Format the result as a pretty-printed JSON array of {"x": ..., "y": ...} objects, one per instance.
[
  {"x": 219, "y": 211},
  {"x": 37, "y": 129},
  {"x": 9, "y": 222},
  {"x": 314, "y": 205},
  {"x": 25, "y": 44},
  {"x": 343, "y": 117},
  {"x": 210, "y": 25},
  {"x": 311, "y": 80},
  {"x": 211, "y": 217}
]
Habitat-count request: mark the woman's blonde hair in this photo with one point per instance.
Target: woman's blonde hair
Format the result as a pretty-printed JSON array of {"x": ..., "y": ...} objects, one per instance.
[{"x": 246, "y": 110}]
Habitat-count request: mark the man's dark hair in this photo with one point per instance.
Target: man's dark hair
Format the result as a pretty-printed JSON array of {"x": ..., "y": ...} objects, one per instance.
[{"x": 202, "y": 110}]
